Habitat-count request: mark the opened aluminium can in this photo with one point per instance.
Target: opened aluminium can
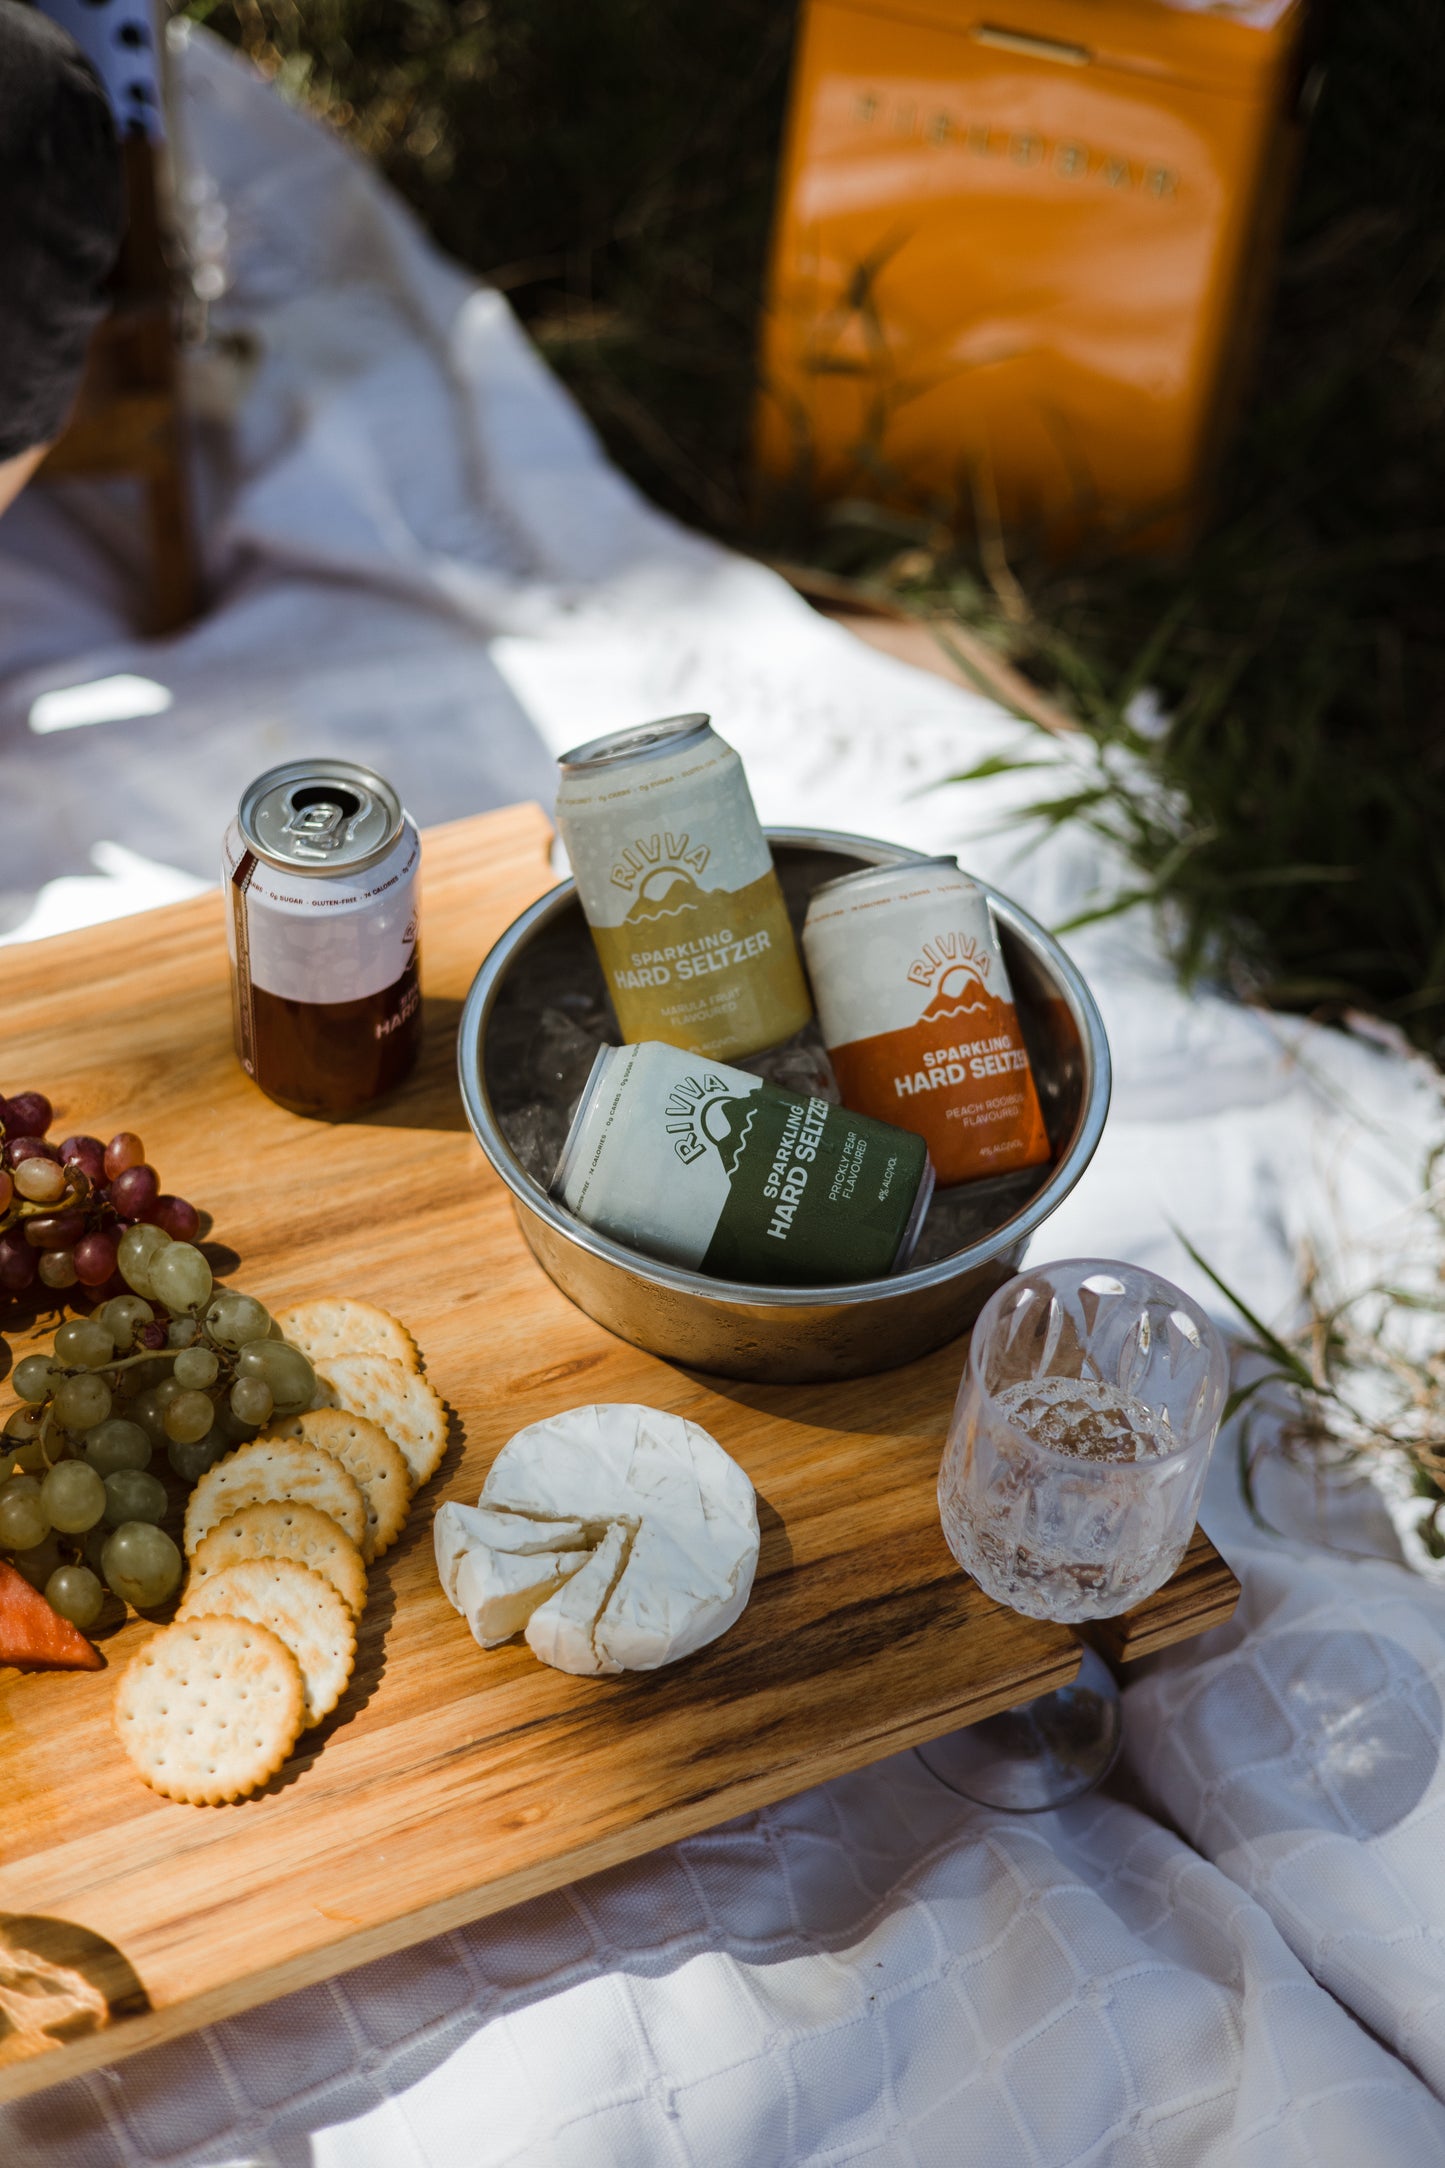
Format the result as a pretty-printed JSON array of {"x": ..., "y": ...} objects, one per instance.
[
  {"x": 677, "y": 884},
  {"x": 918, "y": 1016},
  {"x": 707, "y": 1167},
  {"x": 321, "y": 870}
]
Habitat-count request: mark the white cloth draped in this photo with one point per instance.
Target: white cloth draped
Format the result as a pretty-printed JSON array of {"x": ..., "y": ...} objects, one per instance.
[{"x": 420, "y": 557}]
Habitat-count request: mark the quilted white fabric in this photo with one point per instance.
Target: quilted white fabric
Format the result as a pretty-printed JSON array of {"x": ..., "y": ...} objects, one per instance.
[{"x": 1233, "y": 1957}]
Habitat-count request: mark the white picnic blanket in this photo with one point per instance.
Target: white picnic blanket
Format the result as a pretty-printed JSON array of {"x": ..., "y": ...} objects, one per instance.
[{"x": 1235, "y": 1955}]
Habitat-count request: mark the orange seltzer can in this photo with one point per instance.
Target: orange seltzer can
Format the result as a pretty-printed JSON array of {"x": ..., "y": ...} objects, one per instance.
[
  {"x": 677, "y": 884},
  {"x": 919, "y": 1018}
]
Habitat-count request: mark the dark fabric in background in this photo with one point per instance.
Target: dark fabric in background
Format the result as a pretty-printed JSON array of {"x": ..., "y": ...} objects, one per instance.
[{"x": 61, "y": 218}]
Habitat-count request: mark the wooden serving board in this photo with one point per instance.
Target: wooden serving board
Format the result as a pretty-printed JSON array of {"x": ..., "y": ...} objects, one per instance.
[{"x": 451, "y": 1782}]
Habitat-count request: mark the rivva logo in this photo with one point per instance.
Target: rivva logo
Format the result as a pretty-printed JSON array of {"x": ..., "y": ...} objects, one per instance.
[
  {"x": 661, "y": 873},
  {"x": 954, "y": 969},
  {"x": 703, "y": 1111}
]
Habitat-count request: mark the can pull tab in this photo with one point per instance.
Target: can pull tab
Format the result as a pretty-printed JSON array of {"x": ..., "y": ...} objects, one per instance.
[{"x": 320, "y": 821}]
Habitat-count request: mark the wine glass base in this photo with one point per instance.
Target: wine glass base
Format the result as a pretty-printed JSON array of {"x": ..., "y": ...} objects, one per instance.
[{"x": 1040, "y": 1755}]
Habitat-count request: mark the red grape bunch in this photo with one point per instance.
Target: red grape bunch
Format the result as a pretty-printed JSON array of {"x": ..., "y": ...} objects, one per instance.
[{"x": 65, "y": 1207}]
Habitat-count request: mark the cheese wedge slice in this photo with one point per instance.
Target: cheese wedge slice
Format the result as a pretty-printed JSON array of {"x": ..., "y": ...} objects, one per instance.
[
  {"x": 498, "y": 1591},
  {"x": 563, "y": 1630},
  {"x": 459, "y": 1530}
]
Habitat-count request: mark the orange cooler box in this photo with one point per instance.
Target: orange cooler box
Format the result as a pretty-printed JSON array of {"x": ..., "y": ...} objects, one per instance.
[{"x": 1019, "y": 254}]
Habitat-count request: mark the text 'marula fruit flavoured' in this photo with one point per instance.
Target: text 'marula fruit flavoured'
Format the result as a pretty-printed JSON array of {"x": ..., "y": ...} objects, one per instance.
[
  {"x": 677, "y": 883},
  {"x": 320, "y": 869},
  {"x": 918, "y": 1015},
  {"x": 707, "y": 1167}
]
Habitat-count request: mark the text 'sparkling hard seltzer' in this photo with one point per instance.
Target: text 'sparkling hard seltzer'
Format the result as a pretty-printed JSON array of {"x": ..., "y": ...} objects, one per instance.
[
  {"x": 919, "y": 1017},
  {"x": 710, "y": 1168},
  {"x": 677, "y": 883},
  {"x": 321, "y": 868}
]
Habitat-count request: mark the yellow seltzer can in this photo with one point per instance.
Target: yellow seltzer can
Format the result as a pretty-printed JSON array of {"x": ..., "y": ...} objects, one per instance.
[{"x": 678, "y": 886}]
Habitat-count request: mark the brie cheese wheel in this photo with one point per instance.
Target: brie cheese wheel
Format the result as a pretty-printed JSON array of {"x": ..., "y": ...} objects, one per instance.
[{"x": 619, "y": 1537}]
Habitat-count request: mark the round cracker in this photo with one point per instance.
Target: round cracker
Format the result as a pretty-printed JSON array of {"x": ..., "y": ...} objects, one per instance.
[
  {"x": 340, "y": 1325},
  {"x": 411, "y": 1412},
  {"x": 375, "y": 1465},
  {"x": 275, "y": 1468},
  {"x": 300, "y": 1607},
  {"x": 274, "y": 1528},
  {"x": 209, "y": 1709}
]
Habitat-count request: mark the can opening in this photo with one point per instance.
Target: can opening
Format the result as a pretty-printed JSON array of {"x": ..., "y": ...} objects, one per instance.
[
  {"x": 329, "y": 795},
  {"x": 320, "y": 818}
]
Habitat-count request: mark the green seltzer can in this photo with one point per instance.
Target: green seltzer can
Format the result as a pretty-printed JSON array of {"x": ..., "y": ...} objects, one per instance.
[
  {"x": 709, "y": 1168},
  {"x": 677, "y": 883}
]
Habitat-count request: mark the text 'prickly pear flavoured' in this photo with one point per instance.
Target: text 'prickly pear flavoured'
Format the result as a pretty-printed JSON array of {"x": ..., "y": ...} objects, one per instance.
[
  {"x": 707, "y": 1167},
  {"x": 677, "y": 884},
  {"x": 918, "y": 1015}
]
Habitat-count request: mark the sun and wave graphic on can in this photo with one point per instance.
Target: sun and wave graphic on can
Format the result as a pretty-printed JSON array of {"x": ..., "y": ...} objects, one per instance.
[
  {"x": 707, "y": 1110},
  {"x": 666, "y": 892},
  {"x": 662, "y": 871},
  {"x": 956, "y": 969},
  {"x": 725, "y": 1120}
]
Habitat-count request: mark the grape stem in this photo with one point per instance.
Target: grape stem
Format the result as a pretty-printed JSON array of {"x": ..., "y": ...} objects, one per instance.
[
  {"x": 21, "y": 1208},
  {"x": 164, "y": 1355},
  {"x": 216, "y": 1391},
  {"x": 128, "y": 1362}
]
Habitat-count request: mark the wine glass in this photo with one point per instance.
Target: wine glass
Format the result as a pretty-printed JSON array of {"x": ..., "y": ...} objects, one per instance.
[{"x": 1069, "y": 1489}]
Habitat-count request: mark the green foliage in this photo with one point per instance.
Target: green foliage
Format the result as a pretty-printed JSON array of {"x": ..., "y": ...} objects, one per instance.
[{"x": 1363, "y": 1376}]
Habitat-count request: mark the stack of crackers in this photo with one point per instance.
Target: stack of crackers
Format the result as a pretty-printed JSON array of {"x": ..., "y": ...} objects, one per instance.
[{"x": 279, "y": 1535}]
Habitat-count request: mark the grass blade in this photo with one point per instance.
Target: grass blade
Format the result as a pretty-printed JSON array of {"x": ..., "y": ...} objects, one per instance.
[{"x": 1270, "y": 1342}]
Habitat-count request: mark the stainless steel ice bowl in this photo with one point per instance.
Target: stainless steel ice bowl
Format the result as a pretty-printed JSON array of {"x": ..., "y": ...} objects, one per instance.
[{"x": 784, "y": 1335}]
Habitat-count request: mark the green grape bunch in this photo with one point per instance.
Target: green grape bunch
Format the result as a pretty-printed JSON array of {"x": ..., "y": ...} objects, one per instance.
[{"x": 177, "y": 1364}]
